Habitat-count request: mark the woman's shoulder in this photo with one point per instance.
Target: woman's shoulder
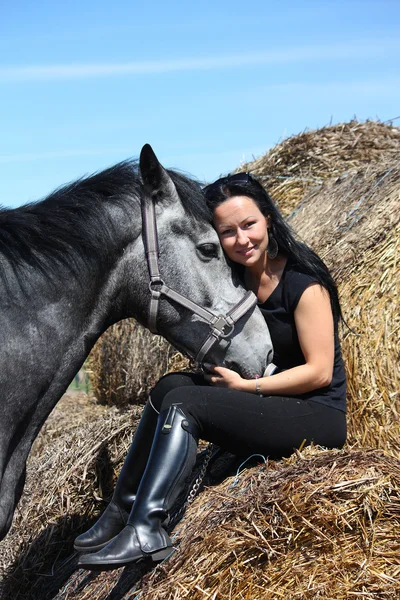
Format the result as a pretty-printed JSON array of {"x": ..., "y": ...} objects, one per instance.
[
  {"x": 298, "y": 272},
  {"x": 296, "y": 281}
]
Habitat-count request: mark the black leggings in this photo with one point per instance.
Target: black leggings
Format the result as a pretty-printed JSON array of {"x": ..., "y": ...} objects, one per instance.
[{"x": 245, "y": 423}]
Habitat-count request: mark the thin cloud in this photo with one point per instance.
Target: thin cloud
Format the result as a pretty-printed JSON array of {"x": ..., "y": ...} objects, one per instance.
[
  {"x": 360, "y": 50},
  {"x": 32, "y": 156},
  {"x": 382, "y": 87}
]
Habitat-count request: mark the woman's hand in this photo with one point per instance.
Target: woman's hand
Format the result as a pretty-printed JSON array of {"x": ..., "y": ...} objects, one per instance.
[{"x": 223, "y": 377}]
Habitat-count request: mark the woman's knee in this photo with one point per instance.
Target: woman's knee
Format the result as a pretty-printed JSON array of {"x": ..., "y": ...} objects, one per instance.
[
  {"x": 184, "y": 396},
  {"x": 190, "y": 400},
  {"x": 166, "y": 384}
]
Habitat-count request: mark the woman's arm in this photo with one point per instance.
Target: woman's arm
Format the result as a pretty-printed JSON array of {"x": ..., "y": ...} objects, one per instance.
[{"x": 315, "y": 330}]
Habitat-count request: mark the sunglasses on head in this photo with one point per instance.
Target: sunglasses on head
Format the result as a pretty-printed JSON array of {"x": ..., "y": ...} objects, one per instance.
[{"x": 237, "y": 178}]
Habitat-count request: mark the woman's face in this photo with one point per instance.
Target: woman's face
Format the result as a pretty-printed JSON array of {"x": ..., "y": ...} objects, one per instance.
[{"x": 242, "y": 230}]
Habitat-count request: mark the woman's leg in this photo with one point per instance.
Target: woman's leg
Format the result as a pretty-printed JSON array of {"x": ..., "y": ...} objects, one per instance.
[
  {"x": 245, "y": 423},
  {"x": 171, "y": 382},
  {"x": 170, "y": 463},
  {"x": 242, "y": 423},
  {"x": 115, "y": 517}
]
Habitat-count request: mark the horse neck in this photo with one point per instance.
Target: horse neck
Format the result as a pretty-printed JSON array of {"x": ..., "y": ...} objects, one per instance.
[
  {"x": 78, "y": 302},
  {"x": 99, "y": 291}
]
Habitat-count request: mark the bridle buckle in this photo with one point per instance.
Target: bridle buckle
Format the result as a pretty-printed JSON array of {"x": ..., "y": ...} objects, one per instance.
[
  {"x": 223, "y": 326},
  {"x": 156, "y": 281}
]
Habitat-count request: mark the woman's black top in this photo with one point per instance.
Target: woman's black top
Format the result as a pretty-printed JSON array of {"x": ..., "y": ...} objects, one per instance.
[{"x": 278, "y": 311}]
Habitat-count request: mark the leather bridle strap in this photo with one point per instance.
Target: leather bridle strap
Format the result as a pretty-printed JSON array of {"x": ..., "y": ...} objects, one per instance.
[
  {"x": 217, "y": 332},
  {"x": 221, "y": 326}
]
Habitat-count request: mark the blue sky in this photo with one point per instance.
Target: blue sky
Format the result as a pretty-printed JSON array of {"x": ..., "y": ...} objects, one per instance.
[{"x": 208, "y": 84}]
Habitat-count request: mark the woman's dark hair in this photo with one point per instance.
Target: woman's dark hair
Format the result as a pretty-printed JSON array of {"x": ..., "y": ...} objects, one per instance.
[{"x": 305, "y": 259}]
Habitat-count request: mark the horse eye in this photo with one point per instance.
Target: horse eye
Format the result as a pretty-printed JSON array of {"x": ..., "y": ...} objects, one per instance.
[{"x": 208, "y": 250}]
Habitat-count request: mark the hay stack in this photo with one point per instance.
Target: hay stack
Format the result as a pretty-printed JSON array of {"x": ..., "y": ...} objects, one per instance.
[
  {"x": 353, "y": 222},
  {"x": 302, "y": 162},
  {"x": 72, "y": 472},
  {"x": 322, "y": 525},
  {"x": 127, "y": 361}
]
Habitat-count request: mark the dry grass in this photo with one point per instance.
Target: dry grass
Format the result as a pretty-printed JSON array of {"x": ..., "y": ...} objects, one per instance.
[
  {"x": 371, "y": 299},
  {"x": 72, "y": 467},
  {"x": 321, "y": 525},
  {"x": 354, "y": 224},
  {"x": 72, "y": 472},
  {"x": 302, "y": 162}
]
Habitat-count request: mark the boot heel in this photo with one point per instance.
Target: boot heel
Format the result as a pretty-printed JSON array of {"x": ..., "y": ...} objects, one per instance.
[{"x": 161, "y": 554}]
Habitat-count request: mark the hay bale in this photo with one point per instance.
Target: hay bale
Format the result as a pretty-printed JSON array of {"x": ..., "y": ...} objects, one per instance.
[
  {"x": 298, "y": 164},
  {"x": 324, "y": 524},
  {"x": 321, "y": 524},
  {"x": 354, "y": 225},
  {"x": 126, "y": 362}
]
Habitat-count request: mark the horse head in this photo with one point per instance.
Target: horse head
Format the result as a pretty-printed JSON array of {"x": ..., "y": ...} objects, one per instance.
[{"x": 190, "y": 261}]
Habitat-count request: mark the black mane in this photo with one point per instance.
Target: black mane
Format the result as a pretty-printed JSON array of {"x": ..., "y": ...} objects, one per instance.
[{"x": 72, "y": 226}]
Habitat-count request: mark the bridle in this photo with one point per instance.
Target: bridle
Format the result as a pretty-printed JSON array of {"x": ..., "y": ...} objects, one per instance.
[{"x": 221, "y": 326}]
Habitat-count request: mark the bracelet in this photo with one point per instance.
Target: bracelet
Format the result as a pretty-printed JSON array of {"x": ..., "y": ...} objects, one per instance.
[{"x": 258, "y": 389}]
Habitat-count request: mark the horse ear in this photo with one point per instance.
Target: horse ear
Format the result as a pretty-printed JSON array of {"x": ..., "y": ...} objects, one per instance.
[{"x": 155, "y": 178}]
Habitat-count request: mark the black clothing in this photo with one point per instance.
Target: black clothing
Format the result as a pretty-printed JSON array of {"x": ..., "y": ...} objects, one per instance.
[
  {"x": 166, "y": 478},
  {"x": 246, "y": 423},
  {"x": 115, "y": 517},
  {"x": 278, "y": 311},
  {"x": 273, "y": 426}
]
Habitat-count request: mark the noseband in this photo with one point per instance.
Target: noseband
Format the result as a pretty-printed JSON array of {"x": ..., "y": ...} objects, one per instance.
[{"x": 221, "y": 326}]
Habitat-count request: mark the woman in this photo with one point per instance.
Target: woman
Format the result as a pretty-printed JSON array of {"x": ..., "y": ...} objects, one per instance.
[{"x": 302, "y": 401}]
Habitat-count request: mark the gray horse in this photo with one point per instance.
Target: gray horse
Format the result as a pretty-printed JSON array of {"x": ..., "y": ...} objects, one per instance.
[{"x": 74, "y": 263}]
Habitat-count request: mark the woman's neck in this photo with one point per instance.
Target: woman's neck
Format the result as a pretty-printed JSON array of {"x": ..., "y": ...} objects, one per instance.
[
  {"x": 262, "y": 281},
  {"x": 266, "y": 268}
]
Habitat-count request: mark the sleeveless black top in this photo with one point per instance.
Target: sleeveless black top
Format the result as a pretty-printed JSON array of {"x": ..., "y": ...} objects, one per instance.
[{"x": 278, "y": 311}]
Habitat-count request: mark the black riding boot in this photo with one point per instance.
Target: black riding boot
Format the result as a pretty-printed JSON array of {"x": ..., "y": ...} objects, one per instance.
[
  {"x": 170, "y": 464},
  {"x": 115, "y": 517}
]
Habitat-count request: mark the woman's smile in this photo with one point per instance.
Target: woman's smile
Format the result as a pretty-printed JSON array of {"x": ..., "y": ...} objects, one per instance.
[
  {"x": 247, "y": 251},
  {"x": 243, "y": 230}
]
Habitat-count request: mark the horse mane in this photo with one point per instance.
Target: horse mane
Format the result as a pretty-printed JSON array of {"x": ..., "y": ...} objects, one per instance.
[{"x": 72, "y": 226}]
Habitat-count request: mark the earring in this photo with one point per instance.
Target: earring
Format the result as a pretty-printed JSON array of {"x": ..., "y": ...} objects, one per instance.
[{"x": 272, "y": 249}]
